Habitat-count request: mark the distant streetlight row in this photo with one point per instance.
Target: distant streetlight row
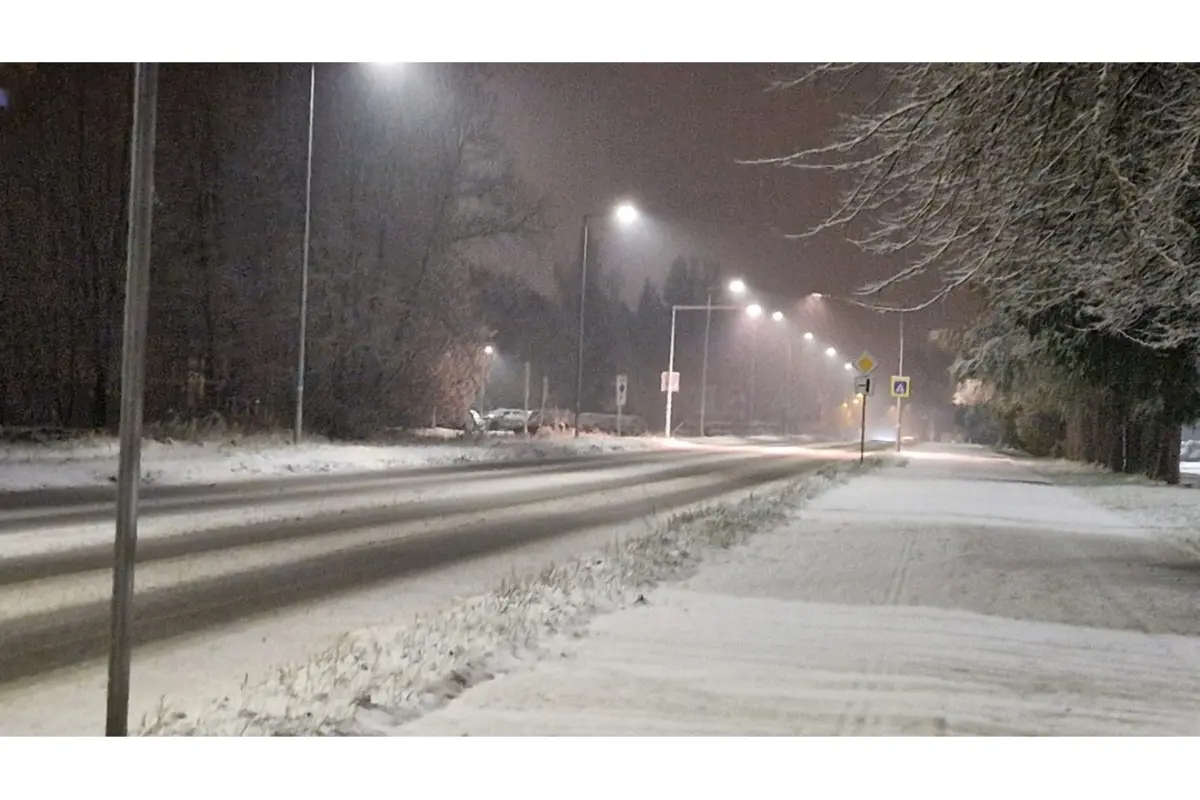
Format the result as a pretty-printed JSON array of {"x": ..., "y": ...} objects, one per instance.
[
  {"x": 754, "y": 310},
  {"x": 900, "y": 367},
  {"x": 625, "y": 214}
]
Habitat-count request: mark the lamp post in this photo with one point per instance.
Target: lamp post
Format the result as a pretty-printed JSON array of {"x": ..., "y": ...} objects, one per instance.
[
  {"x": 298, "y": 422},
  {"x": 753, "y": 310},
  {"x": 298, "y": 425},
  {"x": 736, "y": 286},
  {"x": 488, "y": 351},
  {"x": 625, "y": 214}
]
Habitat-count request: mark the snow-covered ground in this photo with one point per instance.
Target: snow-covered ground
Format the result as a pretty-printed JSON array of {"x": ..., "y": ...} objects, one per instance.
[
  {"x": 188, "y": 670},
  {"x": 956, "y": 596},
  {"x": 93, "y": 461},
  {"x": 1172, "y": 512},
  {"x": 961, "y": 594},
  {"x": 411, "y": 667}
]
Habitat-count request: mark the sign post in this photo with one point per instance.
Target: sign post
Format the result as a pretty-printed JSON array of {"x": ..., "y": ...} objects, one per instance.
[
  {"x": 865, "y": 364},
  {"x": 862, "y": 432},
  {"x": 901, "y": 388},
  {"x": 622, "y": 388},
  {"x": 133, "y": 380}
]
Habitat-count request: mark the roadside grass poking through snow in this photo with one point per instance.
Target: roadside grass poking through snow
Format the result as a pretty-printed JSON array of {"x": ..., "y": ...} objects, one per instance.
[{"x": 373, "y": 681}]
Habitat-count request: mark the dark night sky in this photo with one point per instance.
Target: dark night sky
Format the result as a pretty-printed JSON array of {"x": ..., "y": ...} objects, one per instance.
[{"x": 669, "y": 136}]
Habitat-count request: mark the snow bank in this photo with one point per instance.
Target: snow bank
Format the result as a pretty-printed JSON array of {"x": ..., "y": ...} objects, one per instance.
[
  {"x": 374, "y": 680},
  {"x": 1173, "y": 512},
  {"x": 93, "y": 461}
]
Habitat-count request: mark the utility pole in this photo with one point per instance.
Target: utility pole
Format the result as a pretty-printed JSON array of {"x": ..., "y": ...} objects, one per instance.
[{"x": 133, "y": 381}]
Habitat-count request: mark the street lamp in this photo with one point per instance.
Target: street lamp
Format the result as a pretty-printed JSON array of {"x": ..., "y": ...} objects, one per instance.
[
  {"x": 737, "y": 286},
  {"x": 808, "y": 336},
  {"x": 298, "y": 423},
  {"x": 753, "y": 310},
  {"x": 847, "y": 366},
  {"x": 625, "y": 213},
  {"x": 489, "y": 351}
]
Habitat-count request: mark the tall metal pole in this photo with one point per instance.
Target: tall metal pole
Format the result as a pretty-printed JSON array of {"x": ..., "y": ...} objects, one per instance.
[
  {"x": 670, "y": 373},
  {"x": 133, "y": 379},
  {"x": 298, "y": 428},
  {"x": 704, "y": 368},
  {"x": 899, "y": 401},
  {"x": 789, "y": 390},
  {"x": 753, "y": 380},
  {"x": 582, "y": 309}
]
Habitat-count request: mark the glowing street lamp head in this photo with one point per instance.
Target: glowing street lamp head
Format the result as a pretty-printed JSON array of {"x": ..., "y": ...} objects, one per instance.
[
  {"x": 754, "y": 310},
  {"x": 489, "y": 350},
  {"x": 777, "y": 316},
  {"x": 847, "y": 366},
  {"x": 808, "y": 336},
  {"x": 737, "y": 286},
  {"x": 830, "y": 351},
  {"x": 626, "y": 213},
  {"x": 816, "y": 295}
]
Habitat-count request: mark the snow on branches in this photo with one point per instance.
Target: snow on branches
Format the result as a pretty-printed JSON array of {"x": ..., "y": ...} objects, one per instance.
[{"x": 1057, "y": 187}]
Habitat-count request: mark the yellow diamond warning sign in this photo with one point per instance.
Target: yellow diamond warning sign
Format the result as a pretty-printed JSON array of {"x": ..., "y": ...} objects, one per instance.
[{"x": 865, "y": 364}]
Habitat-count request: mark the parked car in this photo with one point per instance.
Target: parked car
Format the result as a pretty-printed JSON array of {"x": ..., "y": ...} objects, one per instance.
[{"x": 511, "y": 420}]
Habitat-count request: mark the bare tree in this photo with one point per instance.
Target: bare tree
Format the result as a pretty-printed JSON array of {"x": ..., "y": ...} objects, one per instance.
[
  {"x": 1065, "y": 195},
  {"x": 407, "y": 213}
]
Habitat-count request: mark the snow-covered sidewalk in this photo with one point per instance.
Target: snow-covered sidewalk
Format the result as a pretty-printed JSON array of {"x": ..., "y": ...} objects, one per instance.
[{"x": 961, "y": 594}]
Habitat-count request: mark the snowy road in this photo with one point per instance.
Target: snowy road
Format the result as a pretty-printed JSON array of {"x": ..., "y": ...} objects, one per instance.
[
  {"x": 964, "y": 594},
  {"x": 201, "y": 570}
]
